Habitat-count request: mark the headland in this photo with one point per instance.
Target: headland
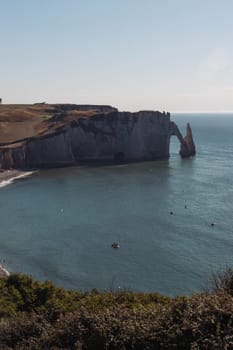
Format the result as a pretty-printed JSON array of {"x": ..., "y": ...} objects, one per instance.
[{"x": 55, "y": 135}]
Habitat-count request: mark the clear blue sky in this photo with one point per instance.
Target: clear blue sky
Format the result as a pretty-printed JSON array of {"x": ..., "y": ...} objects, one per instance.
[{"x": 174, "y": 55}]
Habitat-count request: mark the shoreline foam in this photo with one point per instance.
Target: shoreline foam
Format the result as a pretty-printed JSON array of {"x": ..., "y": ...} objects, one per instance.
[{"x": 9, "y": 176}]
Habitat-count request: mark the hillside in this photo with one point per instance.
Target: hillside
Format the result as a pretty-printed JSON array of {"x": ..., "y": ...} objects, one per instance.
[
  {"x": 37, "y": 315},
  {"x": 19, "y": 121}
]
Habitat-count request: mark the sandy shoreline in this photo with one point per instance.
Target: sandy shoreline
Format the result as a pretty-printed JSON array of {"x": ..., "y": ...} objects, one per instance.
[{"x": 8, "y": 176}]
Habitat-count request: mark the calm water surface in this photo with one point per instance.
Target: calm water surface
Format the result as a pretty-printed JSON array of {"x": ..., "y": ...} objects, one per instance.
[{"x": 60, "y": 224}]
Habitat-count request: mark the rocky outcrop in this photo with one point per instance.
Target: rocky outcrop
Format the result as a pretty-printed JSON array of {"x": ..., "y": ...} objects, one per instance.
[
  {"x": 3, "y": 271},
  {"x": 187, "y": 148},
  {"x": 105, "y": 136}
]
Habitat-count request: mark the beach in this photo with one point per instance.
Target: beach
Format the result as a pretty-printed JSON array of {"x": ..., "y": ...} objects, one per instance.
[{"x": 8, "y": 176}]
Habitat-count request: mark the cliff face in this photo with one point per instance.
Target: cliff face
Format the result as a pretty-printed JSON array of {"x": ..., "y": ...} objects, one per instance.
[{"x": 105, "y": 136}]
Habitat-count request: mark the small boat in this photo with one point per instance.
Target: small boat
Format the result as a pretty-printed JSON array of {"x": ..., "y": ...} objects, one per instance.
[{"x": 115, "y": 245}]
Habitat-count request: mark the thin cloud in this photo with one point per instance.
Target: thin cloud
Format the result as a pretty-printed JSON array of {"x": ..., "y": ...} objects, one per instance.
[{"x": 218, "y": 64}]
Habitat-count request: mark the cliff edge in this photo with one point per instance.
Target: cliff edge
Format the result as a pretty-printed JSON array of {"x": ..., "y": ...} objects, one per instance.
[{"x": 44, "y": 136}]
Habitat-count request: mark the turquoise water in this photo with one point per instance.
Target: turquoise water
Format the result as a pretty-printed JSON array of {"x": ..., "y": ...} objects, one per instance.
[{"x": 60, "y": 224}]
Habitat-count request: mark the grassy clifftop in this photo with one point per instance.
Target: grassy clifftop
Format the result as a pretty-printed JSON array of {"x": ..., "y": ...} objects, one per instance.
[
  {"x": 25, "y": 121},
  {"x": 38, "y": 315}
]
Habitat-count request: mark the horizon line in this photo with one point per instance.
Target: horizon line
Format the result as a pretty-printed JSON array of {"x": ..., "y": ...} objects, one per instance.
[{"x": 201, "y": 112}]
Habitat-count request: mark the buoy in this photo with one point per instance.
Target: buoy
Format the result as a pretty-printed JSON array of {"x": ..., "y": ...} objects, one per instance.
[
  {"x": 171, "y": 212},
  {"x": 212, "y": 224}
]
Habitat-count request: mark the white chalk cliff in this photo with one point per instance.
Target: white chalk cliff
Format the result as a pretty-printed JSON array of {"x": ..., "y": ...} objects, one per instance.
[{"x": 105, "y": 136}]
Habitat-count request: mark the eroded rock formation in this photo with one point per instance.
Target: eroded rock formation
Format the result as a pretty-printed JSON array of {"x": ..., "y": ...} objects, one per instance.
[
  {"x": 95, "y": 134},
  {"x": 187, "y": 148}
]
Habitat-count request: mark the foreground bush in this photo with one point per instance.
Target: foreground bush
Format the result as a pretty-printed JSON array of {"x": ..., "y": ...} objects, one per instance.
[
  {"x": 40, "y": 316},
  {"x": 223, "y": 281}
]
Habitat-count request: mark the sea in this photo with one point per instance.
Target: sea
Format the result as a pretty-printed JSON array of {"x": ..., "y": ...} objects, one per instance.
[{"x": 173, "y": 219}]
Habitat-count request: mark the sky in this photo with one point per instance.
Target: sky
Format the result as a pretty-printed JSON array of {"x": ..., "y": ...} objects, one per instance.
[{"x": 172, "y": 55}]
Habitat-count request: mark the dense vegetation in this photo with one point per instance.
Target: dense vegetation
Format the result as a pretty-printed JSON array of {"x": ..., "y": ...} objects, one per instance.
[{"x": 38, "y": 315}]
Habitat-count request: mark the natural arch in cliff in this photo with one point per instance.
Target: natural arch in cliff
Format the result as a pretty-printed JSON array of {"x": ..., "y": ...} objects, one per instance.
[{"x": 187, "y": 146}]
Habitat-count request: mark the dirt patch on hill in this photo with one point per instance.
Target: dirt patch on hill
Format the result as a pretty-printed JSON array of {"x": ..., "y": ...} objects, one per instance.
[{"x": 20, "y": 121}]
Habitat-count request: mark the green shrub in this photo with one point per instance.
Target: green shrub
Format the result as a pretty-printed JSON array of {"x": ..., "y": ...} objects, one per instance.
[
  {"x": 37, "y": 315},
  {"x": 223, "y": 281}
]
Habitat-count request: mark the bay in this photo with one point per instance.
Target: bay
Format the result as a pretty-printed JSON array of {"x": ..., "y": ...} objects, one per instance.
[{"x": 59, "y": 224}]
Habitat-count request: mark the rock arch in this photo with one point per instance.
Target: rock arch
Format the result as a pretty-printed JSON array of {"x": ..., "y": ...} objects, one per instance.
[{"x": 187, "y": 145}]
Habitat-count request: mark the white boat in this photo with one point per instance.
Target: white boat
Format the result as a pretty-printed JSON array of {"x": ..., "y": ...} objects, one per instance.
[{"x": 115, "y": 245}]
